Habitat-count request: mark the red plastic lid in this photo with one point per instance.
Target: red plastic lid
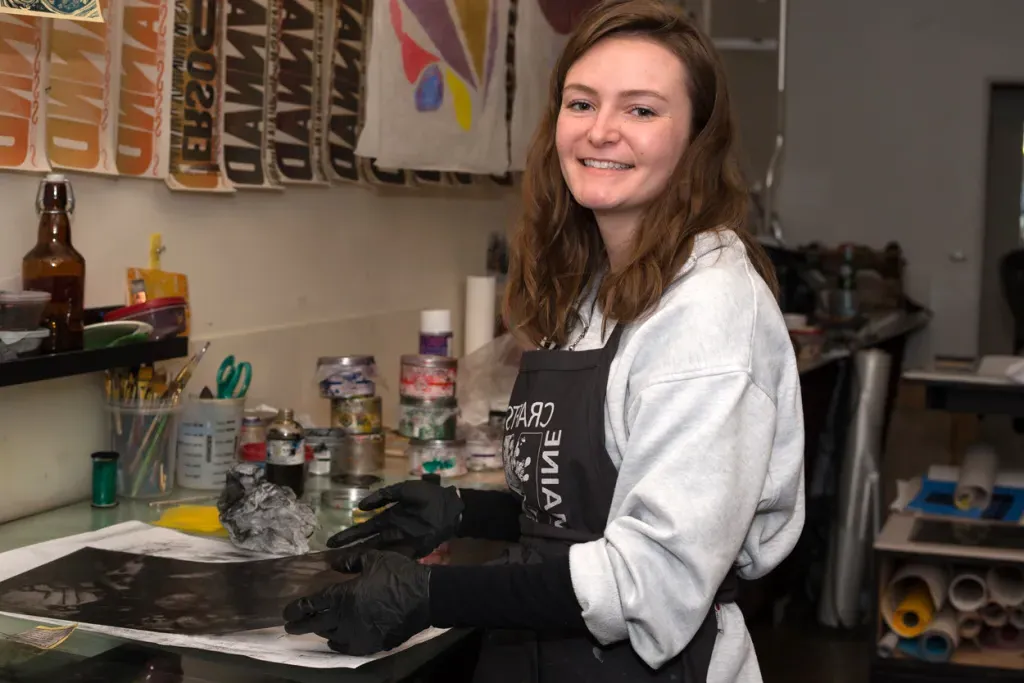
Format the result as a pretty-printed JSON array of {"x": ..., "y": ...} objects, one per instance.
[{"x": 149, "y": 306}]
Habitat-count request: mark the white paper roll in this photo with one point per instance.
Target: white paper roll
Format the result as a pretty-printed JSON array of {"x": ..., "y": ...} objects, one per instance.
[
  {"x": 480, "y": 305},
  {"x": 967, "y": 591},
  {"x": 887, "y": 645},
  {"x": 969, "y": 625},
  {"x": 1017, "y": 617},
  {"x": 1006, "y": 585},
  {"x": 941, "y": 637},
  {"x": 977, "y": 477}
]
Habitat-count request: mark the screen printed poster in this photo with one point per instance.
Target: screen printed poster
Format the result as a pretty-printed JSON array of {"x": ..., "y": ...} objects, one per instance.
[
  {"x": 82, "y": 93},
  {"x": 167, "y": 595},
  {"x": 23, "y": 67},
  {"x": 343, "y": 90},
  {"x": 248, "y": 33},
  {"x": 144, "y": 118},
  {"x": 76, "y": 10},
  {"x": 196, "y": 99},
  {"x": 299, "y": 99}
]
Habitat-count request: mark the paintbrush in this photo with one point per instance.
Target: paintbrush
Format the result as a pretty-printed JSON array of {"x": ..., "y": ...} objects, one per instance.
[{"x": 177, "y": 385}]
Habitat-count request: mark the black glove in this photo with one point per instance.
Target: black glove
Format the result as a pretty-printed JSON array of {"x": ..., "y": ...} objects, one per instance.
[
  {"x": 424, "y": 516},
  {"x": 388, "y": 603}
]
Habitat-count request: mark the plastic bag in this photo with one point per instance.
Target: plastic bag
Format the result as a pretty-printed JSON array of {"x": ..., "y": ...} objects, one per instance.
[{"x": 486, "y": 377}]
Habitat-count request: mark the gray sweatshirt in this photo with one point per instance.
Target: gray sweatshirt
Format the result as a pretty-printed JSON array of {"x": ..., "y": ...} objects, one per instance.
[{"x": 704, "y": 421}]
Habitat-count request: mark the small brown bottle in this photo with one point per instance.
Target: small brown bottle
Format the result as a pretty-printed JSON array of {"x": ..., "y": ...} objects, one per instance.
[{"x": 54, "y": 266}]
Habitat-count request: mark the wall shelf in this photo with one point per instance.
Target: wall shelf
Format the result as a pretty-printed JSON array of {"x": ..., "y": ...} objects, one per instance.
[{"x": 55, "y": 365}]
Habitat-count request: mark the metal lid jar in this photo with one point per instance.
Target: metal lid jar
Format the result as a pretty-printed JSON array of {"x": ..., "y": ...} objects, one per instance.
[
  {"x": 428, "y": 377},
  {"x": 437, "y": 456},
  {"x": 346, "y": 376}
]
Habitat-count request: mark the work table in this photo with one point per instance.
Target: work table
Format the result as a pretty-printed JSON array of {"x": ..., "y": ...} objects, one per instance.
[{"x": 118, "y": 658}]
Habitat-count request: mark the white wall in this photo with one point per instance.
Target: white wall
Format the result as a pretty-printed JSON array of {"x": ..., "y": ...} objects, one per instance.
[
  {"x": 886, "y": 137},
  {"x": 276, "y": 279}
]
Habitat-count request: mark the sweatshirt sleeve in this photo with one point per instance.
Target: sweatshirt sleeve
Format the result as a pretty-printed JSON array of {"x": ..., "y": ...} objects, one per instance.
[{"x": 698, "y": 493}]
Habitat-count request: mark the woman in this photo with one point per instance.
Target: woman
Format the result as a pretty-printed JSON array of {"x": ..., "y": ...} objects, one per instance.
[{"x": 654, "y": 442}]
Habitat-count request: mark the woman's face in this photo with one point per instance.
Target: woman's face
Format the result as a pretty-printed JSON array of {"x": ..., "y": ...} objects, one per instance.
[{"x": 623, "y": 125}]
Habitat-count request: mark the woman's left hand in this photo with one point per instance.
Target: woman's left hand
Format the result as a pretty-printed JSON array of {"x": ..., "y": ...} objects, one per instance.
[{"x": 388, "y": 603}]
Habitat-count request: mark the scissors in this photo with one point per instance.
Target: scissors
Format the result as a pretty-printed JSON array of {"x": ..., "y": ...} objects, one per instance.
[{"x": 233, "y": 379}]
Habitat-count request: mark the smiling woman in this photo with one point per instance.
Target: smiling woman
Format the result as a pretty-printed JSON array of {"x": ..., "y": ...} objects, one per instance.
[
  {"x": 653, "y": 447},
  {"x": 639, "y": 85}
]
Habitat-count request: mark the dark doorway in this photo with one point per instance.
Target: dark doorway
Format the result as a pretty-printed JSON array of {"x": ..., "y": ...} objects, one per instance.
[{"x": 1004, "y": 212}]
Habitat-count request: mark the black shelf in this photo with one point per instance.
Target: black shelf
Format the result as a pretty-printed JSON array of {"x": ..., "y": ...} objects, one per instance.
[{"x": 54, "y": 365}]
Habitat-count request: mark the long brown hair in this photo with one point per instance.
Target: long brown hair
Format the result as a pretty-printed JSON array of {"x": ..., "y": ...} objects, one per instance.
[{"x": 557, "y": 248}]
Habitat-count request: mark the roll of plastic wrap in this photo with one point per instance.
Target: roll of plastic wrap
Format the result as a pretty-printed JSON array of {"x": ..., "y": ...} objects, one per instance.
[
  {"x": 968, "y": 592},
  {"x": 480, "y": 305},
  {"x": 853, "y": 532},
  {"x": 977, "y": 477},
  {"x": 1006, "y": 585},
  {"x": 941, "y": 637},
  {"x": 1016, "y": 617},
  {"x": 887, "y": 645},
  {"x": 994, "y": 615},
  {"x": 969, "y": 625}
]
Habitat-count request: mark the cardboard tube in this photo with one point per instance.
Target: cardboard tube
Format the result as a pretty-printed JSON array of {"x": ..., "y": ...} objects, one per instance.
[
  {"x": 887, "y": 644},
  {"x": 1006, "y": 585},
  {"x": 994, "y": 615},
  {"x": 967, "y": 592},
  {"x": 941, "y": 637},
  {"x": 914, "y": 594},
  {"x": 969, "y": 625},
  {"x": 977, "y": 477}
]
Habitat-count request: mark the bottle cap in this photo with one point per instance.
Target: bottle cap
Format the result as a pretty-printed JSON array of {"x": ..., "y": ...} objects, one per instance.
[
  {"x": 436, "y": 322},
  {"x": 105, "y": 455},
  {"x": 55, "y": 177}
]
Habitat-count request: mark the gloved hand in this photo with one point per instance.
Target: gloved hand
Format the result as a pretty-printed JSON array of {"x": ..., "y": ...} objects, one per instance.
[
  {"x": 388, "y": 603},
  {"x": 424, "y": 515}
]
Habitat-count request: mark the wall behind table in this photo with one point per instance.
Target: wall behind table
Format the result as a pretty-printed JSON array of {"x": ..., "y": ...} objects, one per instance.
[
  {"x": 276, "y": 279},
  {"x": 887, "y": 106}
]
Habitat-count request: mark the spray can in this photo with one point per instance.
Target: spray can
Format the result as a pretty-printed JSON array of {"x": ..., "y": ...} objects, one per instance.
[{"x": 286, "y": 452}]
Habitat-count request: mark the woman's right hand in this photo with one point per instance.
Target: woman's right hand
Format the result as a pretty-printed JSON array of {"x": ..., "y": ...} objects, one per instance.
[{"x": 422, "y": 517}]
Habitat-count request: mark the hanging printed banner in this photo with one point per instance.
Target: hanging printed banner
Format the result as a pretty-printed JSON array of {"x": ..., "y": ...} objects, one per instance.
[
  {"x": 23, "y": 66},
  {"x": 77, "y": 10},
  {"x": 344, "y": 91},
  {"x": 247, "y": 30},
  {"x": 298, "y": 99},
  {"x": 144, "y": 121},
  {"x": 542, "y": 30},
  {"x": 430, "y": 178},
  {"x": 82, "y": 94},
  {"x": 196, "y": 99},
  {"x": 435, "y": 86},
  {"x": 375, "y": 175}
]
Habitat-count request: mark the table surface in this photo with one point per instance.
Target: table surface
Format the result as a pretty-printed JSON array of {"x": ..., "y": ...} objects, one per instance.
[{"x": 117, "y": 657}]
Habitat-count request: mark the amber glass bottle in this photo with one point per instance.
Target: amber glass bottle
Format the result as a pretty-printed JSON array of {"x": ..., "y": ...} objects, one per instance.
[{"x": 54, "y": 266}]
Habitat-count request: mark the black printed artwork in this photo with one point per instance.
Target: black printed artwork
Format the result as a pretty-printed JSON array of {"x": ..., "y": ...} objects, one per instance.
[
  {"x": 245, "y": 102},
  {"x": 126, "y": 590}
]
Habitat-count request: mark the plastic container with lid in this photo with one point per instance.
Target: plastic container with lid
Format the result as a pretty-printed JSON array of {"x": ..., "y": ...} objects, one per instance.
[
  {"x": 20, "y": 311},
  {"x": 166, "y": 315},
  {"x": 15, "y": 344}
]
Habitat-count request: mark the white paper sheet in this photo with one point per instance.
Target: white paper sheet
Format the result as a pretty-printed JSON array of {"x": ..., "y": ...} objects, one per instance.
[
  {"x": 435, "y": 86},
  {"x": 271, "y": 645}
]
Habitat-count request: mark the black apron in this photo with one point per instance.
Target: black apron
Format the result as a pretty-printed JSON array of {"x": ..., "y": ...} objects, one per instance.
[{"x": 556, "y": 461}]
